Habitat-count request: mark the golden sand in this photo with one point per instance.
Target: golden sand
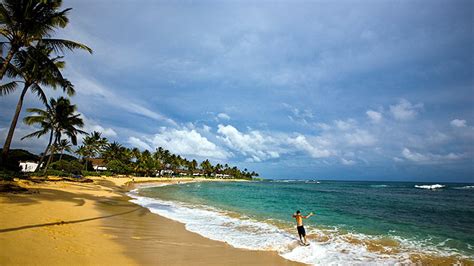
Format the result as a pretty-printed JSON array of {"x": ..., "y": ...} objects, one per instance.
[{"x": 68, "y": 223}]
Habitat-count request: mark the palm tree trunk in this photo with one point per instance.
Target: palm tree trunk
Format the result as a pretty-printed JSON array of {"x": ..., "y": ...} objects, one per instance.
[
  {"x": 53, "y": 150},
  {"x": 8, "y": 141},
  {"x": 61, "y": 156},
  {"x": 45, "y": 151},
  {"x": 7, "y": 61},
  {"x": 49, "y": 159}
]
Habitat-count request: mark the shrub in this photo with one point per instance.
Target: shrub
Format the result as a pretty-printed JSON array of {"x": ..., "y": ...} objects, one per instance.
[{"x": 72, "y": 167}]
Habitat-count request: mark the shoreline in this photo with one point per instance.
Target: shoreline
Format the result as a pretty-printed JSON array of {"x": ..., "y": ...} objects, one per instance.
[{"x": 59, "y": 222}]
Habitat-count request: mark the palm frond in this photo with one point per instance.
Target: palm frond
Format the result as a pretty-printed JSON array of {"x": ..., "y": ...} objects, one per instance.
[
  {"x": 59, "y": 45},
  {"x": 8, "y": 88},
  {"x": 35, "y": 88},
  {"x": 36, "y": 134}
]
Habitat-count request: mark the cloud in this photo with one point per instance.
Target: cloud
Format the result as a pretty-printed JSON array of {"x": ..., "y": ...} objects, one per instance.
[
  {"x": 253, "y": 144},
  {"x": 223, "y": 116},
  {"x": 345, "y": 125},
  {"x": 301, "y": 143},
  {"x": 323, "y": 126},
  {"x": 188, "y": 142},
  {"x": 374, "y": 116},
  {"x": 458, "y": 123},
  {"x": 347, "y": 162},
  {"x": 360, "y": 137},
  {"x": 91, "y": 125},
  {"x": 138, "y": 143},
  {"x": 93, "y": 89},
  {"x": 430, "y": 158},
  {"x": 299, "y": 115},
  {"x": 405, "y": 110}
]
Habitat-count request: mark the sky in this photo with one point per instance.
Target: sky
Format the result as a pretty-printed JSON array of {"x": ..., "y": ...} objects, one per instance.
[{"x": 349, "y": 90}]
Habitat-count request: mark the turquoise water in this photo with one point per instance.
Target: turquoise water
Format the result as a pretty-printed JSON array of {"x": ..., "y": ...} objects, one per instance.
[{"x": 409, "y": 216}]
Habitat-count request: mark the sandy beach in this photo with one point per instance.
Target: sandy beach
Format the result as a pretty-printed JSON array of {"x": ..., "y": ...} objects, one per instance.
[{"x": 61, "y": 222}]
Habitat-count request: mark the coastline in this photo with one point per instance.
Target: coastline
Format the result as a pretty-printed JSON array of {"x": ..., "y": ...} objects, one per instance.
[{"x": 94, "y": 223}]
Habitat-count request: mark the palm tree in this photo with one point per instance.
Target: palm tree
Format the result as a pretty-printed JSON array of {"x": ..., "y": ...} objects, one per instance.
[
  {"x": 59, "y": 118},
  {"x": 85, "y": 153},
  {"x": 45, "y": 118},
  {"x": 92, "y": 146},
  {"x": 206, "y": 166},
  {"x": 25, "y": 23},
  {"x": 36, "y": 69},
  {"x": 115, "y": 151},
  {"x": 62, "y": 146}
]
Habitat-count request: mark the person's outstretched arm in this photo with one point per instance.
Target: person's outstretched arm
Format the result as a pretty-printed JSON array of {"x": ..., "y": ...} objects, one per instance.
[{"x": 309, "y": 215}]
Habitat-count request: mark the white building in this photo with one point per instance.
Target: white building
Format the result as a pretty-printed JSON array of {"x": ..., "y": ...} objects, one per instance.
[{"x": 28, "y": 166}]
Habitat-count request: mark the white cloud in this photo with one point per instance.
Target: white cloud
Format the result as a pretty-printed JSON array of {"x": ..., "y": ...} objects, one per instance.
[
  {"x": 414, "y": 156},
  {"x": 254, "y": 144},
  {"x": 188, "y": 142},
  {"x": 458, "y": 123},
  {"x": 405, "y": 110},
  {"x": 398, "y": 159},
  {"x": 376, "y": 117},
  {"x": 360, "y": 138},
  {"x": 347, "y": 162},
  {"x": 429, "y": 158},
  {"x": 223, "y": 116},
  {"x": 91, "y": 125},
  {"x": 299, "y": 115},
  {"x": 301, "y": 143},
  {"x": 136, "y": 142},
  {"x": 323, "y": 126},
  {"x": 92, "y": 88},
  {"x": 345, "y": 125},
  {"x": 206, "y": 128}
]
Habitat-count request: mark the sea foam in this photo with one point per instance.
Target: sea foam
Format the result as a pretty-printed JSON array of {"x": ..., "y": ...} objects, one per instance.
[
  {"x": 432, "y": 187},
  {"x": 250, "y": 234},
  {"x": 464, "y": 187}
]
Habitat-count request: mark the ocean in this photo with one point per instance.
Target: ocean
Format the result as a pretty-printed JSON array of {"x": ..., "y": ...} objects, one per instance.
[{"x": 354, "y": 222}]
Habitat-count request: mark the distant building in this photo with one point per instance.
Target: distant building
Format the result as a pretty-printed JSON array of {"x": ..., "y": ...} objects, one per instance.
[
  {"x": 198, "y": 173},
  {"x": 181, "y": 172},
  {"x": 28, "y": 166},
  {"x": 98, "y": 164},
  {"x": 166, "y": 172},
  {"x": 223, "y": 176}
]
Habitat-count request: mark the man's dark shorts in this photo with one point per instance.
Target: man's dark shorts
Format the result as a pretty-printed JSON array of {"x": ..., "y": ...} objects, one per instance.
[{"x": 301, "y": 231}]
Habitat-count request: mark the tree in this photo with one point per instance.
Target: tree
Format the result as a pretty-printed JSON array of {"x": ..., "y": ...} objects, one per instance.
[
  {"x": 62, "y": 146},
  {"x": 59, "y": 118},
  {"x": 45, "y": 119},
  {"x": 25, "y": 23},
  {"x": 115, "y": 151},
  {"x": 206, "y": 166},
  {"x": 36, "y": 70},
  {"x": 92, "y": 146}
]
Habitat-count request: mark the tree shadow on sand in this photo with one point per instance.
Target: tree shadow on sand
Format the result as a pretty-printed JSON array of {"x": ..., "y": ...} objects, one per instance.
[{"x": 66, "y": 222}]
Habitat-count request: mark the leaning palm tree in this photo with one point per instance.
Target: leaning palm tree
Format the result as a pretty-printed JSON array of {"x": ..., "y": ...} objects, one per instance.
[
  {"x": 59, "y": 118},
  {"x": 45, "y": 119},
  {"x": 68, "y": 123},
  {"x": 62, "y": 146},
  {"x": 37, "y": 70},
  {"x": 24, "y": 23}
]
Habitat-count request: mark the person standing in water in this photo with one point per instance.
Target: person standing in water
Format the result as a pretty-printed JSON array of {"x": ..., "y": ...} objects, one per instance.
[{"x": 300, "y": 227}]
